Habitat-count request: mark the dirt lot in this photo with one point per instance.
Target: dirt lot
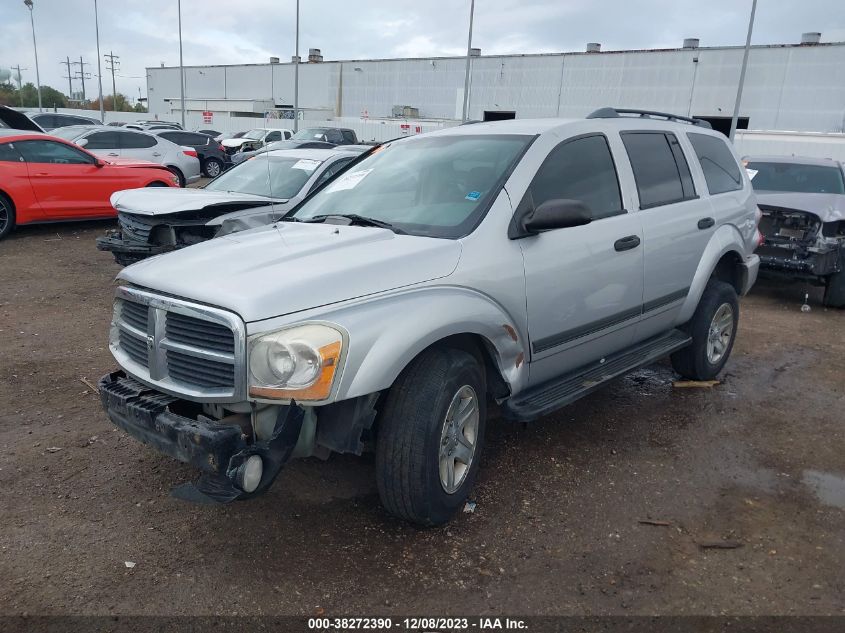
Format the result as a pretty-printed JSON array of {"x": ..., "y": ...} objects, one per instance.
[{"x": 756, "y": 462}]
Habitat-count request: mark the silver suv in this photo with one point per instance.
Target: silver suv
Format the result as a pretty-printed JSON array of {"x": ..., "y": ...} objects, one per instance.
[{"x": 522, "y": 262}]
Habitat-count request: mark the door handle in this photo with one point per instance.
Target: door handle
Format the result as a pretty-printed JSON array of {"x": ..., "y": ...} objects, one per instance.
[
  {"x": 626, "y": 243},
  {"x": 156, "y": 154},
  {"x": 113, "y": 154},
  {"x": 706, "y": 223}
]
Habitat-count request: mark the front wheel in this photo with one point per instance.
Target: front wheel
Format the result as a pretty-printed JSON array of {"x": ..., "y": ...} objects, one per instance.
[
  {"x": 834, "y": 292},
  {"x": 430, "y": 436},
  {"x": 713, "y": 330},
  {"x": 178, "y": 174}
]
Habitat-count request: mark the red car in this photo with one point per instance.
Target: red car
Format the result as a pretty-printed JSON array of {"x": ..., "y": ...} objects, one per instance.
[{"x": 44, "y": 178}]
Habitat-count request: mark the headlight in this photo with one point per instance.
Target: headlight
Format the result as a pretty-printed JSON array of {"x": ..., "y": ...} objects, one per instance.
[{"x": 298, "y": 363}]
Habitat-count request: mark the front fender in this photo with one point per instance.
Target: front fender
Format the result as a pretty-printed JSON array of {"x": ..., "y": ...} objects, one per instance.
[
  {"x": 416, "y": 319},
  {"x": 725, "y": 239}
]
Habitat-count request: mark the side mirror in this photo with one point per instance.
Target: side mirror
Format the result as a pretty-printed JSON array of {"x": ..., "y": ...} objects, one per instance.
[
  {"x": 558, "y": 214},
  {"x": 82, "y": 142}
]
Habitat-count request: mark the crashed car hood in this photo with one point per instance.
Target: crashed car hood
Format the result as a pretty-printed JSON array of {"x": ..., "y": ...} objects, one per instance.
[
  {"x": 236, "y": 142},
  {"x": 289, "y": 267},
  {"x": 163, "y": 201},
  {"x": 829, "y": 207}
]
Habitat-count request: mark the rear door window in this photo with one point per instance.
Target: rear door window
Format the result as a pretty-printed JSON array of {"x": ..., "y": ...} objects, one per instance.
[
  {"x": 133, "y": 140},
  {"x": 273, "y": 136},
  {"x": 349, "y": 136},
  {"x": 580, "y": 169},
  {"x": 102, "y": 140},
  {"x": 721, "y": 171},
  {"x": 660, "y": 168}
]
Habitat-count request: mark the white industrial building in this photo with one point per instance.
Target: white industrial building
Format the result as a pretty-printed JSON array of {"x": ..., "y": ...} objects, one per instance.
[{"x": 796, "y": 87}]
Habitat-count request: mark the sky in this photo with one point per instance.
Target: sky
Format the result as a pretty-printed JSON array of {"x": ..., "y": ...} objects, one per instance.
[{"x": 145, "y": 33}]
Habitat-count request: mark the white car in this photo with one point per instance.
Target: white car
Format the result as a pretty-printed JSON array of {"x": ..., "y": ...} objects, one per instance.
[
  {"x": 254, "y": 139},
  {"x": 113, "y": 142}
]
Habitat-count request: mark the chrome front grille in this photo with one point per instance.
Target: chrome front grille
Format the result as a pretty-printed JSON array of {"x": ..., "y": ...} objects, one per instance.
[
  {"x": 134, "y": 228},
  {"x": 179, "y": 347}
]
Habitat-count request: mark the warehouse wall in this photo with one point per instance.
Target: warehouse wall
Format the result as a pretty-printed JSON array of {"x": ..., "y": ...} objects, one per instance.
[{"x": 787, "y": 88}]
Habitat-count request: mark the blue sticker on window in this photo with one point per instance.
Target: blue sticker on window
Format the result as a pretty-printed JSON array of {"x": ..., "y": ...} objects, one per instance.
[{"x": 473, "y": 195}]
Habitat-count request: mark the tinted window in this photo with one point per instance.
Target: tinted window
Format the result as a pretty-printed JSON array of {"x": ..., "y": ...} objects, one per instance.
[
  {"x": 580, "y": 169},
  {"x": 131, "y": 140},
  {"x": 102, "y": 140},
  {"x": 795, "y": 177},
  {"x": 273, "y": 136},
  {"x": 349, "y": 136},
  {"x": 8, "y": 153},
  {"x": 717, "y": 162},
  {"x": 331, "y": 170},
  {"x": 52, "y": 152},
  {"x": 47, "y": 121},
  {"x": 185, "y": 138},
  {"x": 660, "y": 178}
]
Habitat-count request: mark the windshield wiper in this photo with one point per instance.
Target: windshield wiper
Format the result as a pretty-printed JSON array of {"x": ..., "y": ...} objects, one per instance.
[{"x": 354, "y": 218}]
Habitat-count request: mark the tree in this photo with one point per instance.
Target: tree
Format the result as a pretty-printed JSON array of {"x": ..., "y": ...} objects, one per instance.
[
  {"x": 140, "y": 107},
  {"x": 123, "y": 104},
  {"x": 27, "y": 96}
]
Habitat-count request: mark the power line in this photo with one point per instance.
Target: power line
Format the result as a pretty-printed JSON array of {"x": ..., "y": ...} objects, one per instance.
[{"x": 112, "y": 65}]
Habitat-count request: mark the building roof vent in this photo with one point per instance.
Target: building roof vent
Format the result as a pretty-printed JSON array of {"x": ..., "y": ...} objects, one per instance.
[
  {"x": 475, "y": 52},
  {"x": 314, "y": 56},
  {"x": 594, "y": 47},
  {"x": 691, "y": 42},
  {"x": 274, "y": 60},
  {"x": 808, "y": 39}
]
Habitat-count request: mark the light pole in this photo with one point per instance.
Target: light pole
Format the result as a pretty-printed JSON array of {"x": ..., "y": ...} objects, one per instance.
[
  {"x": 735, "y": 117},
  {"x": 99, "y": 68},
  {"x": 296, "y": 76},
  {"x": 28, "y": 4},
  {"x": 469, "y": 50},
  {"x": 181, "y": 66}
]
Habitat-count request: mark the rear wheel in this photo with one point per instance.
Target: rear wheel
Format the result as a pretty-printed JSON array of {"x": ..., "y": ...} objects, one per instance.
[
  {"x": 430, "y": 436},
  {"x": 7, "y": 216},
  {"x": 175, "y": 171},
  {"x": 834, "y": 292},
  {"x": 713, "y": 330},
  {"x": 212, "y": 167}
]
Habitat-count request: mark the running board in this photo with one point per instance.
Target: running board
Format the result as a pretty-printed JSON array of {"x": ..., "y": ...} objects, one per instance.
[{"x": 559, "y": 392}]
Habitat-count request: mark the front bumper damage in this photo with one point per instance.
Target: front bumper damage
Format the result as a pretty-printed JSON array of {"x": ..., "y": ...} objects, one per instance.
[
  {"x": 177, "y": 428},
  {"x": 128, "y": 252},
  {"x": 797, "y": 244}
]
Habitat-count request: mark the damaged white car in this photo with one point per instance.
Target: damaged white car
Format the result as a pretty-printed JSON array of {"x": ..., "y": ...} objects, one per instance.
[
  {"x": 257, "y": 192},
  {"x": 803, "y": 205}
]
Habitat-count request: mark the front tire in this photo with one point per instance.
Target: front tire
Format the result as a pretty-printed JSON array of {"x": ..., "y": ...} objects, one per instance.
[
  {"x": 175, "y": 171},
  {"x": 430, "y": 436},
  {"x": 7, "y": 216},
  {"x": 834, "y": 292},
  {"x": 713, "y": 331}
]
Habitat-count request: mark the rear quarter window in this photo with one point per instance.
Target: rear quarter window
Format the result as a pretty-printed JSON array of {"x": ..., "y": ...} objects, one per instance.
[{"x": 721, "y": 171}]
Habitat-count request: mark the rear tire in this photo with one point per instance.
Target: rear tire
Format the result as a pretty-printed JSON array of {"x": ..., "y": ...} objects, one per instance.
[
  {"x": 7, "y": 216},
  {"x": 713, "y": 331},
  {"x": 212, "y": 168},
  {"x": 834, "y": 292},
  {"x": 175, "y": 171},
  {"x": 434, "y": 416}
]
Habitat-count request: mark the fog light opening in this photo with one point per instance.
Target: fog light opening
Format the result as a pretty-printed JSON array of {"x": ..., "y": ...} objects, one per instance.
[{"x": 249, "y": 473}]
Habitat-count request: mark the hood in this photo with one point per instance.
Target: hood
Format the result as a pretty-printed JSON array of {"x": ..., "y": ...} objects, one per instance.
[
  {"x": 166, "y": 200},
  {"x": 829, "y": 207},
  {"x": 17, "y": 120},
  {"x": 235, "y": 142},
  {"x": 289, "y": 267}
]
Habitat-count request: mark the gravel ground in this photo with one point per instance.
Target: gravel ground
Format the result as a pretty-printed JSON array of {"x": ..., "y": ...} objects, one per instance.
[{"x": 561, "y": 525}]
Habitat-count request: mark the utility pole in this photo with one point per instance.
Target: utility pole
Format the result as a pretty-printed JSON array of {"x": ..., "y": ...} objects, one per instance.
[
  {"x": 181, "y": 66},
  {"x": 113, "y": 65},
  {"x": 28, "y": 4},
  {"x": 295, "y": 76},
  {"x": 69, "y": 77},
  {"x": 99, "y": 69},
  {"x": 82, "y": 75},
  {"x": 469, "y": 60},
  {"x": 735, "y": 118},
  {"x": 19, "y": 80}
]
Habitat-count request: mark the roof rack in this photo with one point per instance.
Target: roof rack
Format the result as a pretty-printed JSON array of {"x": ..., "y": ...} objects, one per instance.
[{"x": 613, "y": 113}]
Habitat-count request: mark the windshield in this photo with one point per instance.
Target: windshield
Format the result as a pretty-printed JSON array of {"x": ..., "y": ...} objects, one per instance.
[
  {"x": 254, "y": 135},
  {"x": 795, "y": 178},
  {"x": 269, "y": 176},
  {"x": 310, "y": 134},
  {"x": 438, "y": 186}
]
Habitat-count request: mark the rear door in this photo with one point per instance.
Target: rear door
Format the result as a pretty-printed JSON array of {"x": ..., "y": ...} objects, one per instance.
[
  {"x": 584, "y": 284},
  {"x": 105, "y": 144},
  {"x": 65, "y": 180},
  {"x": 140, "y": 145},
  {"x": 670, "y": 211}
]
